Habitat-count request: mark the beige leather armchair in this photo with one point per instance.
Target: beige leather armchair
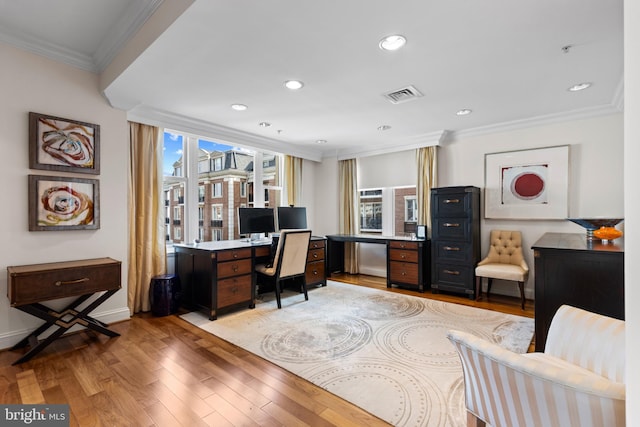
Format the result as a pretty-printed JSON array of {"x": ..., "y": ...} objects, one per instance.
[
  {"x": 579, "y": 380},
  {"x": 504, "y": 261}
]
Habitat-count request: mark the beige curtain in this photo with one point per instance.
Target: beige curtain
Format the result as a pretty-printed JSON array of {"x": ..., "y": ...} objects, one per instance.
[
  {"x": 293, "y": 179},
  {"x": 426, "y": 158},
  {"x": 147, "y": 253},
  {"x": 349, "y": 206}
]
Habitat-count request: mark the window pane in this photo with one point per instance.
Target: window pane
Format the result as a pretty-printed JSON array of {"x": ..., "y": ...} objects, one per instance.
[{"x": 172, "y": 153}]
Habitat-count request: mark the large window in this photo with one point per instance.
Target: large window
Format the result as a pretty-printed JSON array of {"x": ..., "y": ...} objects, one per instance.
[{"x": 238, "y": 177}]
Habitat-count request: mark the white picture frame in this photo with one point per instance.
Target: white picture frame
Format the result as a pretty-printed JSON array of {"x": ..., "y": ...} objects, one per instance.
[{"x": 527, "y": 184}]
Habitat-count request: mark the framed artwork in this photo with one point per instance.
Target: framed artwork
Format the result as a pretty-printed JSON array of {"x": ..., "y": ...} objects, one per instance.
[
  {"x": 527, "y": 184},
  {"x": 63, "y": 144},
  {"x": 61, "y": 203}
]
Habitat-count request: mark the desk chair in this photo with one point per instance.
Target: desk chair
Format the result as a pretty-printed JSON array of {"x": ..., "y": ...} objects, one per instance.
[
  {"x": 290, "y": 261},
  {"x": 504, "y": 261}
]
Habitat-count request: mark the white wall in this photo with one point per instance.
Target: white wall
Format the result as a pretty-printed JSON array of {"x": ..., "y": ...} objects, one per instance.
[
  {"x": 632, "y": 204},
  {"x": 596, "y": 178},
  {"x": 32, "y": 83}
]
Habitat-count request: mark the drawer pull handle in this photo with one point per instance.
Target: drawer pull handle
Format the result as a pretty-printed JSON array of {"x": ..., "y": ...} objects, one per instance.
[
  {"x": 315, "y": 255},
  {"x": 71, "y": 282},
  {"x": 234, "y": 268},
  {"x": 234, "y": 290},
  {"x": 404, "y": 273},
  {"x": 403, "y": 256},
  {"x": 452, "y": 201},
  {"x": 451, "y": 224},
  {"x": 455, "y": 273},
  {"x": 451, "y": 248}
]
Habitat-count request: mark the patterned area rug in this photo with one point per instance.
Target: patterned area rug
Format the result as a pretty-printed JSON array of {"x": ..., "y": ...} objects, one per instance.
[{"x": 385, "y": 352}]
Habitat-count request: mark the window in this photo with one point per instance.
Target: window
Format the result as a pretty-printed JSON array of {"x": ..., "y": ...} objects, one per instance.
[
  {"x": 371, "y": 210},
  {"x": 216, "y": 189},
  {"x": 217, "y": 164},
  {"x": 238, "y": 176},
  {"x": 410, "y": 209}
]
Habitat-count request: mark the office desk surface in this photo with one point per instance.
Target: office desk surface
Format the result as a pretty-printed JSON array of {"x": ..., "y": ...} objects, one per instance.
[{"x": 370, "y": 238}]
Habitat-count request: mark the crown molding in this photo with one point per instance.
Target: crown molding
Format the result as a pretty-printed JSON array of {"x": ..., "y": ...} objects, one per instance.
[
  {"x": 47, "y": 49},
  {"x": 127, "y": 26},
  {"x": 412, "y": 143},
  {"x": 584, "y": 113},
  {"x": 169, "y": 120}
]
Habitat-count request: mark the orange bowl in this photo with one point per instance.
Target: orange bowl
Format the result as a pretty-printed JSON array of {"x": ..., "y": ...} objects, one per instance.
[{"x": 607, "y": 233}]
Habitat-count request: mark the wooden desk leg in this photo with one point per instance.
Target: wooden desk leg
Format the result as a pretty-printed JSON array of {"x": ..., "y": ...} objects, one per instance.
[{"x": 54, "y": 318}]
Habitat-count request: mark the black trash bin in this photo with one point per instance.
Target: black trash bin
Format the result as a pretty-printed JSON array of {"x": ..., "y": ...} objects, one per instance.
[{"x": 164, "y": 294}]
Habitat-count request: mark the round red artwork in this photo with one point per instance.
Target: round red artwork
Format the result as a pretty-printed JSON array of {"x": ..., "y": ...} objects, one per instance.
[{"x": 527, "y": 186}]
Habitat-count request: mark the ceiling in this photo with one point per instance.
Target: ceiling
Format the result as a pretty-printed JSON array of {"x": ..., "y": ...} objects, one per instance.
[{"x": 502, "y": 59}]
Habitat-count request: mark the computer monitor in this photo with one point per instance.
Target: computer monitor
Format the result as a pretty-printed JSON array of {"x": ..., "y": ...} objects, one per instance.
[
  {"x": 256, "y": 221},
  {"x": 292, "y": 217}
]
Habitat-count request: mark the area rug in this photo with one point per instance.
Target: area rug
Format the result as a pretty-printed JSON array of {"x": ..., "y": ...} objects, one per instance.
[{"x": 385, "y": 352}]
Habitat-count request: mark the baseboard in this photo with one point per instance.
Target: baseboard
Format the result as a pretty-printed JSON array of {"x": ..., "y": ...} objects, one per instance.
[{"x": 9, "y": 339}]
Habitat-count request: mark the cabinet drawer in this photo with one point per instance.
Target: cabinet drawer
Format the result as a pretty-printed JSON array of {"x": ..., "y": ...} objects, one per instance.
[
  {"x": 452, "y": 251},
  {"x": 315, "y": 255},
  {"x": 234, "y": 268},
  {"x": 403, "y": 272},
  {"x": 234, "y": 254},
  {"x": 314, "y": 272},
  {"x": 451, "y": 228},
  {"x": 399, "y": 244},
  {"x": 403, "y": 255},
  {"x": 262, "y": 251},
  {"x": 42, "y": 282},
  {"x": 234, "y": 290},
  {"x": 316, "y": 244},
  {"x": 456, "y": 205},
  {"x": 451, "y": 274}
]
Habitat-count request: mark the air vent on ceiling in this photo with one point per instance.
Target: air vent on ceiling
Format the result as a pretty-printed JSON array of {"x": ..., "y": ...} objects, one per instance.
[{"x": 405, "y": 94}]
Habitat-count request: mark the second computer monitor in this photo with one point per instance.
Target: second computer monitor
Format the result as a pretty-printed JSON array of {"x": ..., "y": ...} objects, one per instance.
[{"x": 290, "y": 217}]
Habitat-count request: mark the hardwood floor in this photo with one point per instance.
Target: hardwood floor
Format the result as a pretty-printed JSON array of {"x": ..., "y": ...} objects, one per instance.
[{"x": 165, "y": 372}]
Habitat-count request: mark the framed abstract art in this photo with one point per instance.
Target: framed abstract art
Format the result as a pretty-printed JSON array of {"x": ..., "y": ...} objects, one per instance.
[
  {"x": 62, "y": 203},
  {"x": 63, "y": 144},
  {"x": 527, "y": 184}
]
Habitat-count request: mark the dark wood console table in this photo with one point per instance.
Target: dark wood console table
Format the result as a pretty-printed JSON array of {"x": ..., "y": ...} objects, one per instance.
[
  {"x": 30, "y": 285},
  {"x": 569, "y": 269},
  {"x": 408, "y": 260}
]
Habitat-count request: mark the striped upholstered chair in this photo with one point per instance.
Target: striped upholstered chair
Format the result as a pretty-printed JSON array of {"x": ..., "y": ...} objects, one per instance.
[{"x": 579, "y": 380}]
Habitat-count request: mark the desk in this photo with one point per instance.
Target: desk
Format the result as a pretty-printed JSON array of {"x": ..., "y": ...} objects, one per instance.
[
  {"x": 408, "y": 260},
  {"x": 571, "y": 270},
  {"x": 220, "y": 276},
  {"x": 30, "y": 285}
]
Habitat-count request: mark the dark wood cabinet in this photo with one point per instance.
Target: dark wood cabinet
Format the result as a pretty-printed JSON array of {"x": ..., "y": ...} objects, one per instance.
[
  {"x": 455, "y": 238},
  {"x": 316, "y": 259},
  {"x": 215, "y": 278},
  {"x": 569, "y": 269}
]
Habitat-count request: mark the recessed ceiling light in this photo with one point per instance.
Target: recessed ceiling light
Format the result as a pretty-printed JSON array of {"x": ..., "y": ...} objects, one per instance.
[
  {"x": 393, "y": 42},
  {"x": 321, "y": 141},
  {"x": 384, "y": 127},
  {"x": 239, "y": 107},
  {"x": 264, "y": 124},
  {"x": 579, "y": 87},
  {"x": 293, "y": 84},
  {"x": 463, "y": 112}
]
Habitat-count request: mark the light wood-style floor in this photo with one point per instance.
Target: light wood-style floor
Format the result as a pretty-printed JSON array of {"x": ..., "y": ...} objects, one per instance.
[{"x": 166, "y": 372}]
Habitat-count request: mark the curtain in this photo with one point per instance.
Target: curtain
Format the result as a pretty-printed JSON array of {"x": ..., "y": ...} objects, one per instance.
[
  {"x": 426, "y": 158},
  {"x": 293, "y": 179},
  {"x": 147, "y": 252},
  {"x": 349, "y": 207}
]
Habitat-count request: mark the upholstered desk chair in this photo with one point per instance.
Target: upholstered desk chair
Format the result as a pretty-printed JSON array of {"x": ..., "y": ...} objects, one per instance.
[
  {"x": 289, "y": 261},
  {"x": 504, "y": 261},
  {"x": 578, "y": 381}
]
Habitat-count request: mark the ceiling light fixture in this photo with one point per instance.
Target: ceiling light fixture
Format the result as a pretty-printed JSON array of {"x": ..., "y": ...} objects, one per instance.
[
  {"x": 384, "y": 127},
  {"x": 464, "y": 112},
  {"x": 321, "y": 141},
  {"x": 239, "y": 107},
  {"x": 293, "y": 84},
  {"x": 579, "y": 87},
  {"x": 393, "y": 42},
  {"x": 264, "y": 124}
]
